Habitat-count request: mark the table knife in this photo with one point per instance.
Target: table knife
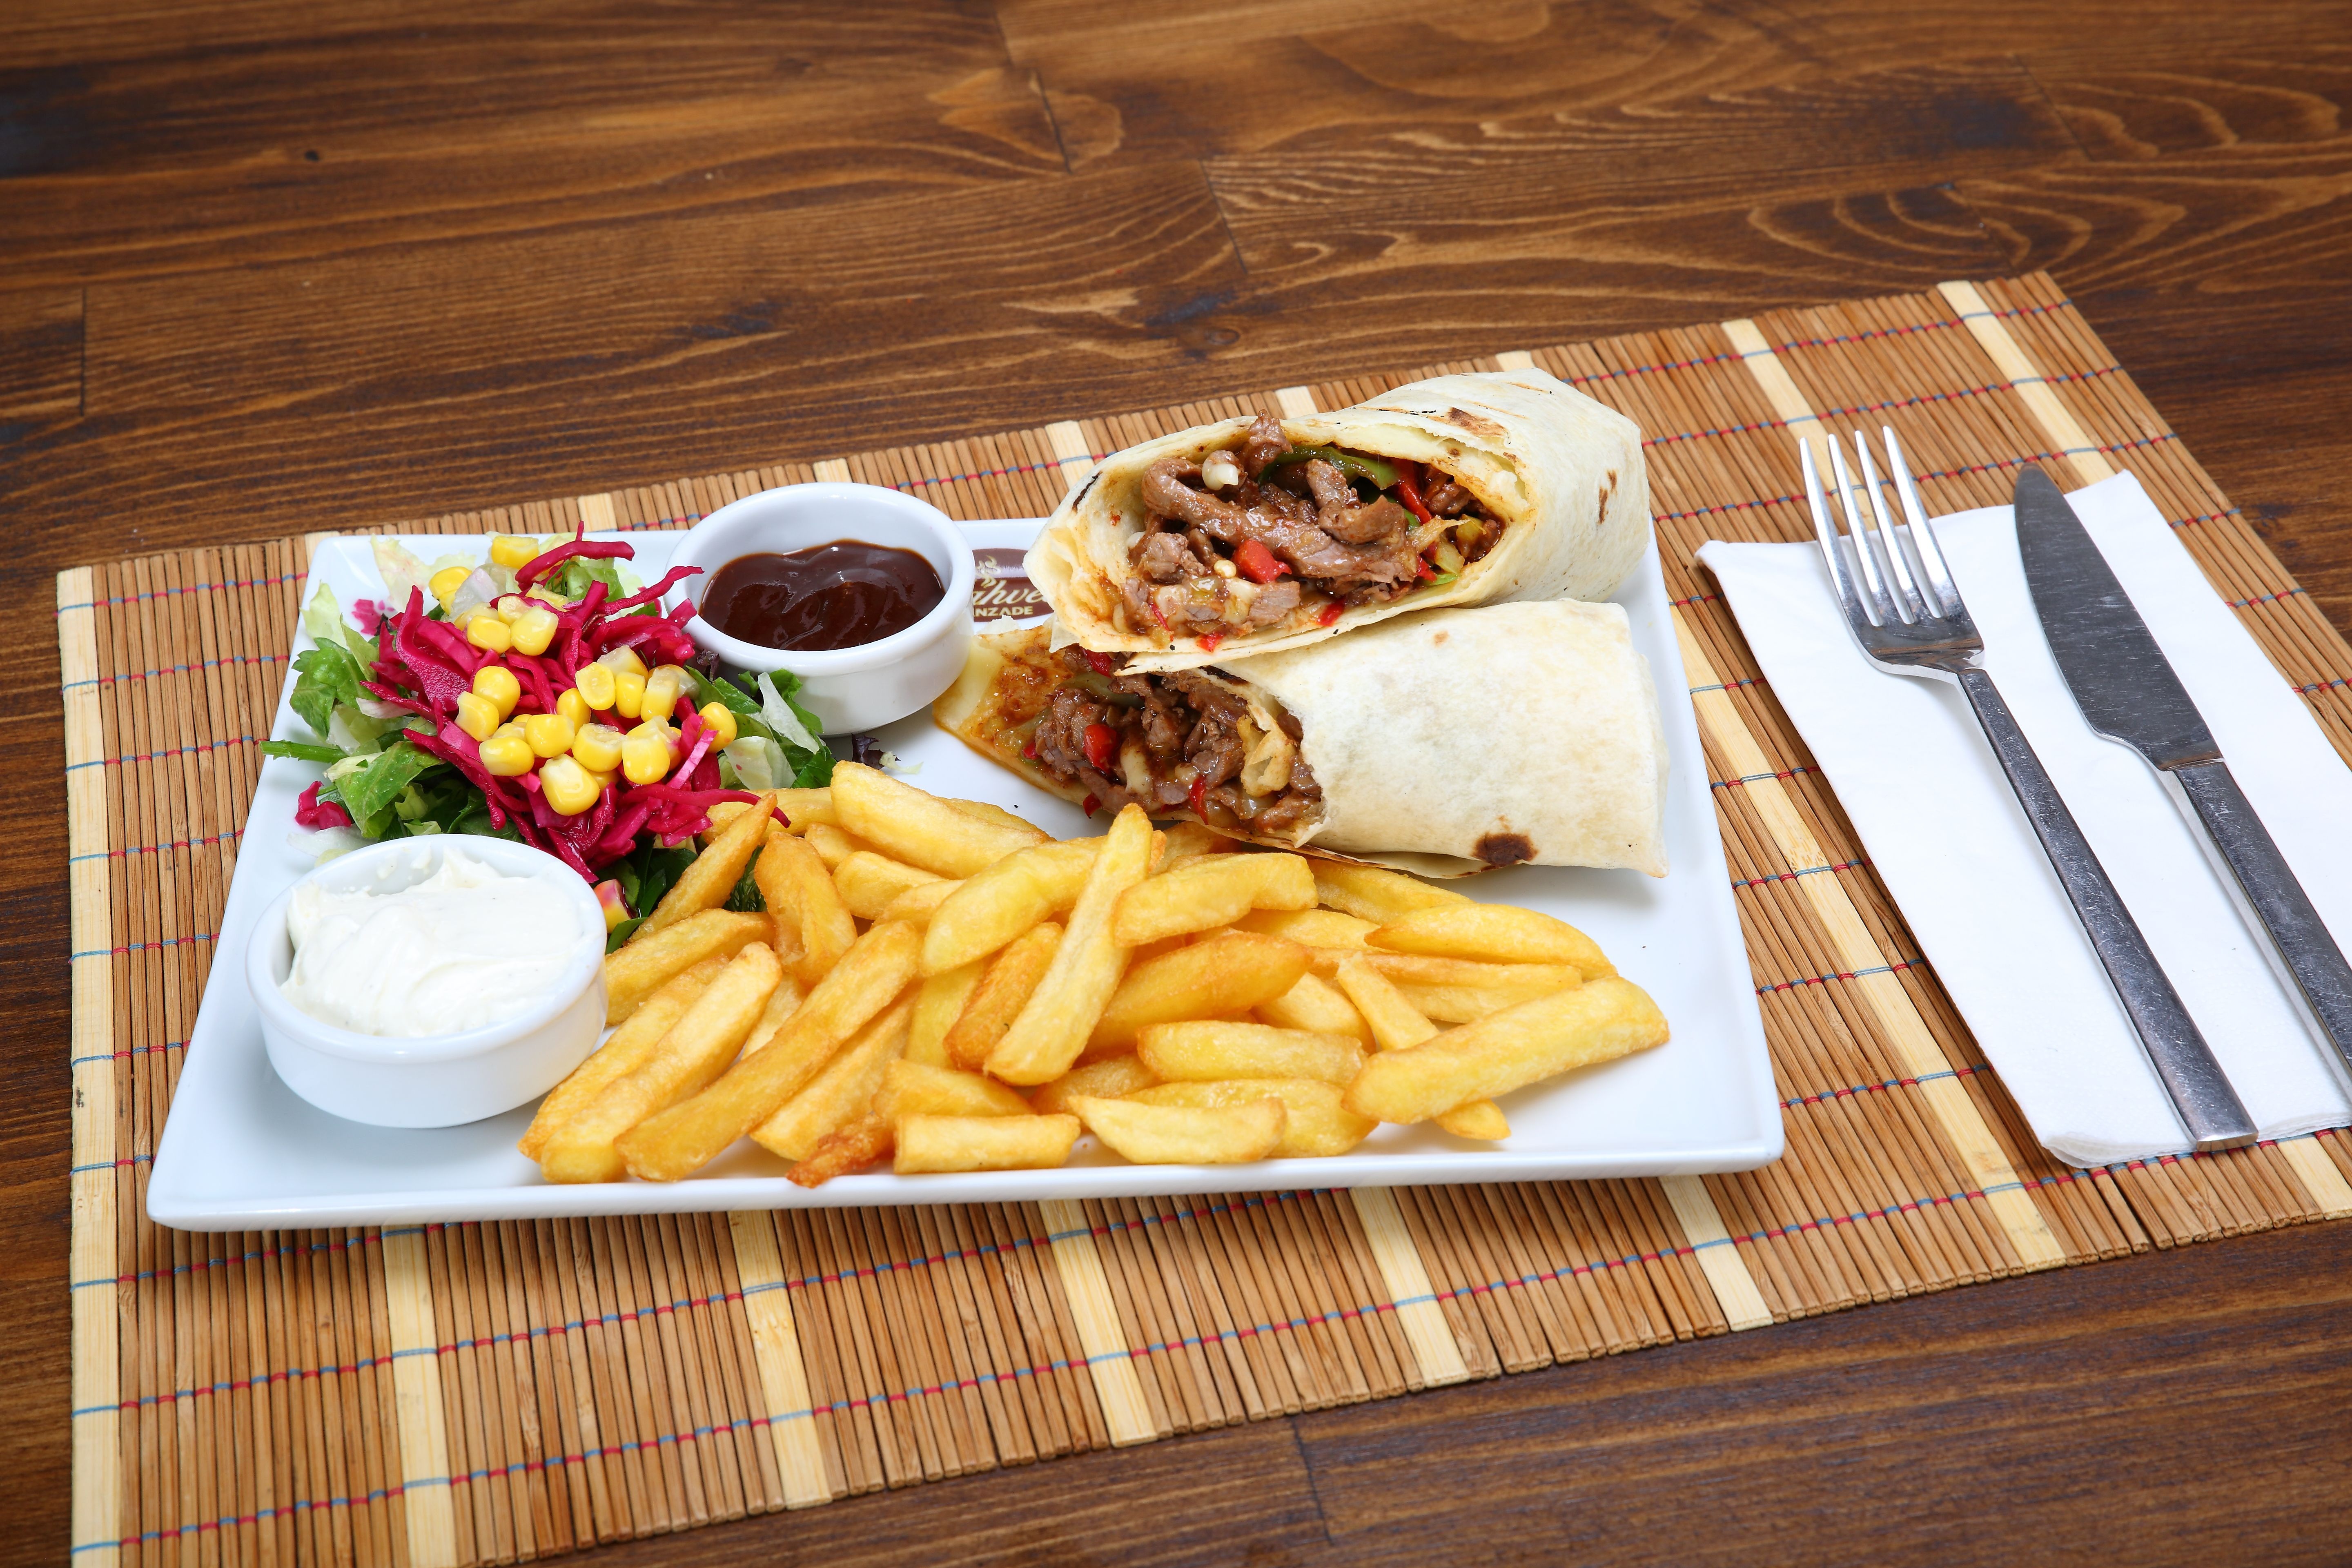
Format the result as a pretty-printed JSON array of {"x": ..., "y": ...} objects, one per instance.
[{"x": 2127, "y": 691}]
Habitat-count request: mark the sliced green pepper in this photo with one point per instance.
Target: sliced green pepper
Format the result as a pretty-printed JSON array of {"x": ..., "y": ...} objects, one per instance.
[
  {"x": 1100, "y": 688},
  {"x": 1371, "y": 470}
]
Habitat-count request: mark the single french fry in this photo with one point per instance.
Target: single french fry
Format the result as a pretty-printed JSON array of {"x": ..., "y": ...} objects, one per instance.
[
  {"x": 921, "y": 830},
  {"x": 1461, "y": 1004},
  {"x": 1316, "y": 928},
  {"x": 782, "y": 1003},
  {"x": 918, "y": 903},
  {"x": 1187, "y": 839},
  {"x": 1206, "y": 1050},
  {"x": 625, "y": 1052},
  {"x": 831, "y": 845},
  {"x": 910, "y": 1089},
  {"x": 993, "y": 906},
  {"x": 868, "y": 882},
  {"x": 1011, "y": 980},
  {"x": 694, "y": 1050},
  {"x": 928, "y": 1143},
  {"x": 690, "y": 1135},
  {"x": 1317, "y": 1007},
  {"x": 985, "y": 811},
  {"x": 1228, "y": 974},
  {"x": 1051, "y": 1031},
  {"x": 641, "y": 968},
  {"x": 843, "y": 1090},
  {"x": 706, "y": 883},
  {"x": 1493, "y": 933},
  {"x": 1318, "y": 1125},
  {"x": 1517, "y": 982},
  {"x": 1519, "y": 1045},
  {"x": 801, "y": 807},
  {"x": 1211, "y": 891},
  {"x": 1398, "y": 1025},
  {"x": 1371, "y": 894},
  {"x": 937, "y": 1005},
  {"x": 840, "y": 1153},
  {"x": 1113, "y": 1078},
  {"x": 1183, "y": 1134},
  {"x": 797, "y": 887}
]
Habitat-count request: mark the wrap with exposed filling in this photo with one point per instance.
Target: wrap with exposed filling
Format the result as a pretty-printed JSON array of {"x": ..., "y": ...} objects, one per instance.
[
  {"x": 1442, "y": 742},
  {"x": 1254, "y": 534}
]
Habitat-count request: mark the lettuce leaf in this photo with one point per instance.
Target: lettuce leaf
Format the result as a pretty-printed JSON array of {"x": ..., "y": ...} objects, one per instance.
[
  {"x": 370, "y": 792},
  {"x": 301, "y": 750},
  {"x": 325, "y": 677}
]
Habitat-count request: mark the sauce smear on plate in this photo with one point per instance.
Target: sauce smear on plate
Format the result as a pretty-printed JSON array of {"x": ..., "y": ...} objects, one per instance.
[{"x": 840, "y": 594}]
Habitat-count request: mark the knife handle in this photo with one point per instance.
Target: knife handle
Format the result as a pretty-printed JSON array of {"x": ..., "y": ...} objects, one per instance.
[
  {"x": 2209, "y": 1107},
  {"x": 2301, "y": 945}
]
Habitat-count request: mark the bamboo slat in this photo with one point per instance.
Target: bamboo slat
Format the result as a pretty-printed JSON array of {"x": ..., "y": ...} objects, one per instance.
[{"x": 465, "y": 1394}]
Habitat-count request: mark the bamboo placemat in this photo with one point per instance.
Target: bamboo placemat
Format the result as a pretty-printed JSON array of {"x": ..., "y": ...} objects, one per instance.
[{"x": 488, "y": 1392}]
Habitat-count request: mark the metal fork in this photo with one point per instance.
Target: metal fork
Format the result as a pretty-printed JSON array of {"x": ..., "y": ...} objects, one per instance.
[{"x": 1908, "y": 615}]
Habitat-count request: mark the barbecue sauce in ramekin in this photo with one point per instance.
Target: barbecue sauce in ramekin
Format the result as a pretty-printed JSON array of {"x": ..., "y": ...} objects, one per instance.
[{"x": 841, "y": 595}]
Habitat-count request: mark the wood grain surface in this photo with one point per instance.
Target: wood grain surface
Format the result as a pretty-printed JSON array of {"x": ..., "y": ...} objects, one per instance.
[{"x": 268, "y": 266}]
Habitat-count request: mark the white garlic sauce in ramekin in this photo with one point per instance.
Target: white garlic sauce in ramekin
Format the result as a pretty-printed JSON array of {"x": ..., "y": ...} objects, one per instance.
[{"x": 464, "y": 947}]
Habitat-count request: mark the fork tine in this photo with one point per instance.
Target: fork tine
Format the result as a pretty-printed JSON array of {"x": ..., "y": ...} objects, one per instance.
[
  {"x": 1915, "y": 605},
  {"x": 1826, "y": 531},
  {"x": 1923, "y": 537},
  {"x": 1883, "y": 608}
]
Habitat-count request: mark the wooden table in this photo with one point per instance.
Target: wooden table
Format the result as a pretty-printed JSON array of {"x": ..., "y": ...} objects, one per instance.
[{"x": 270, "y": 270}]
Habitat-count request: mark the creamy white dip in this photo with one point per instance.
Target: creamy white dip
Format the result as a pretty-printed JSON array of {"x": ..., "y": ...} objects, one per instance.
[{"x": 466, "y": 947}]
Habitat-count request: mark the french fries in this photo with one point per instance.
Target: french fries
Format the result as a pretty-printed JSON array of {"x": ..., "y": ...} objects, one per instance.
[
  {"x": 1209, "y": 1050},
  {"x": 705, "y": 883},
  {"x": 1062, "y": 1012},
  {"x": 1453, "y": 990},
  {"x": 868, "y": 882},
  {"x": 994, "y": 905},
  {"x": 648, "y": 963},
  {"x": 1316, "y": 928},
  {"x": 583, "y": 1147},
  {"x": 1317, "y": 1124},
  {"x": 1113, "y": 1078},
  {"x": 801, "y": 807},
  {"x": 1371, "y": 894},
  {"x": 921, "y": 830},
  {"x": 1538, "y": 1039},
  {"x": 687, "y": 1136},
  {"x": 1315, "y": 1005},
  {"x": 1012, "y": 979},
  {"x": 831, "y": 845},
  {"x": 794, "y": 881},
  {"x": 628, "y": 1050},
  {"x": 1398, "y": 1025},
  {"x": 918, "y": 903},
  {"x": 1231, "y": 973},
  {"x": 910, "y": 1089},
  {"x": 983, "y": 1143},
  {"x": 1492, "y": 933},
  {"x": 842, "y": 1089},
  {"x": 782, "y": 1003},
  {"x": 1184, "y": 1134},
  {"x": 1211, "y": 890},
  {"x": 985, "y": 811},
  {"x": 937, "y": 1005},
  {"x": 1186, "y": 839},
  {"x": 853, "y": 1148}
]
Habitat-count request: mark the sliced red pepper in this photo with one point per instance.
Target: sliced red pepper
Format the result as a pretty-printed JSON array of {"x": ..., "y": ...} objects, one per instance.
[
  {"x": 1209, "y": 643},
  {"x": 1030, "y": 751},
  {"x": 1200, "y": 794},
  {"x": 1103, "y": 664},
  {"x": 1420, "y": 568},
  {"x": 1102, "y": 745},
  {"x": 1091, "y": 805},
  {"x": 1329, "y": 613},
  {"x": 1408, "y": 489},
  {"x": 1256, "y": 563}
]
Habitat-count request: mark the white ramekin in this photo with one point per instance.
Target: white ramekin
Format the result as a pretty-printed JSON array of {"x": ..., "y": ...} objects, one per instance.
[
  {"x": 432, "y": 1080},
  {"x": 848, "y": 688}
]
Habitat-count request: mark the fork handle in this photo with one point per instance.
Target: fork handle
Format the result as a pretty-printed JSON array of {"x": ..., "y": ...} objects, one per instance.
[{"x": 2209, "y": 1107}]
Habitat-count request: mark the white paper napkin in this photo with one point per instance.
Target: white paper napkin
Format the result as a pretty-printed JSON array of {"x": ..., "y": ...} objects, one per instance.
[{"x": 1943, "y": 831}]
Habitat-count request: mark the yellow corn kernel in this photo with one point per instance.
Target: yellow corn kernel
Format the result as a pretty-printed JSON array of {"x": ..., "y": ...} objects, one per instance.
[
  {"x": 628, "y": 694},
  {"x": 496, "y": 685},
  {"x": 507, "y": 756},
  {"x": 606, "y": 777},
  {"x": 644, "y": 758},
  {"x": 510, "y": 607},
  {"x": 567, "y": 787},
  {"x": 489, "y": 632},
  {"x": 572, "y": 705},
  {"x": 514, "y": 727},
  {"x": 720, "y": 721},
  {"x": 513, "y": 550},
  {"x": 549, "y": 734},
  {"x": 597, "y": 748},
  {"x": 594, "y": 684},
  {"x": 534, "y": 629},
  {"x": 547, "y": 596},
  {"x": 477, "y": 715},
  {"x": 663, "y": 688},
  {"x": 448, "y": 581},
  {"x": 623, "y": 661}
]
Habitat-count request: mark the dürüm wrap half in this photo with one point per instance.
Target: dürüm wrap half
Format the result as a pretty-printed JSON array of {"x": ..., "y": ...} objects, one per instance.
[
  {"x": 1443, "y": 742},
  {"x": 1460, "y": 490}
]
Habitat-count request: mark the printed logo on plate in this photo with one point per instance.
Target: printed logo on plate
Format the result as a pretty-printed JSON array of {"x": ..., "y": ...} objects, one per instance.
[{"x": 1002, "y": 591}]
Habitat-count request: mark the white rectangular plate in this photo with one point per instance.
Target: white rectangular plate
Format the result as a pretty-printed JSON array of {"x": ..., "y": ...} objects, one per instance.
[{"x": 240, "y": 1151}]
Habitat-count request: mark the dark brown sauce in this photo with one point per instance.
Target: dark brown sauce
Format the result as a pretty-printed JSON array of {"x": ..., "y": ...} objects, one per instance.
[{"x": 842, "y": 594}]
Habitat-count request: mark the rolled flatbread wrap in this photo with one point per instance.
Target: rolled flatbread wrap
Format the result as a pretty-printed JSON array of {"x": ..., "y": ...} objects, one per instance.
[
  {"x": 1444, "y": 741},
  {"x": 1255, "y": 534}
]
